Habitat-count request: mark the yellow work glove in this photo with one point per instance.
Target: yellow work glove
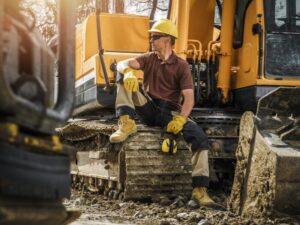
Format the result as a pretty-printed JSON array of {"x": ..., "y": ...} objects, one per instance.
[
  {"x": 130, "y": 81},
  {"x": 176, "y": 124}
]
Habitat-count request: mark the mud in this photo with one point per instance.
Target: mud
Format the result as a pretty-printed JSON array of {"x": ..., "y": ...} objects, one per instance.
[{"x": 98, "y": 210}]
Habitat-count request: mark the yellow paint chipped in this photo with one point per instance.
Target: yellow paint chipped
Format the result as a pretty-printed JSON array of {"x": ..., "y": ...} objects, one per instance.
[
  {"x": 57, "y": 144},
  {"x": 11, "y": 129},
  {"x": 31, "y": 141},
  {"x": 35, "y": 142}
]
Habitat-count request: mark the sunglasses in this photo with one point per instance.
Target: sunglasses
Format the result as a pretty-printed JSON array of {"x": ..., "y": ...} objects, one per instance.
[{"x": 156, "y": 37}]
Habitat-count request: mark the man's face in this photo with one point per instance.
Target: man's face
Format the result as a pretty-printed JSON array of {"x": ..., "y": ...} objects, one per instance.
[{"x": 158, "y": 41}]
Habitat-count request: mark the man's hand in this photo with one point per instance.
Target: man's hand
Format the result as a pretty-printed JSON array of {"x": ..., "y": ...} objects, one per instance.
[
  {"x": 131, "y": 83},
  {"x": 176, "y": 124}
]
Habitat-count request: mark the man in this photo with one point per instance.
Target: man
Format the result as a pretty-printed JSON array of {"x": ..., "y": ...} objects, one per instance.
[{"x": 167, "y": 81}]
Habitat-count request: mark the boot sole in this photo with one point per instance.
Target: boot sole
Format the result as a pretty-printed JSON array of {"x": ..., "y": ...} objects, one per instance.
[
  {"x": 123, "y": 139},
  {"x": 212, "y": 205},
  {"x": 215, "y": 206}
]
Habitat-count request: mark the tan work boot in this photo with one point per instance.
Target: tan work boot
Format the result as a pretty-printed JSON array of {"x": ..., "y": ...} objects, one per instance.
[
  {"x": 200, "y": 195},
  {"x": 127, "y": 127}
]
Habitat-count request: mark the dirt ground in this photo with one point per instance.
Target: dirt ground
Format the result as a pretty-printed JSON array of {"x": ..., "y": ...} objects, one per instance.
[{"x": 98, "y": 210}]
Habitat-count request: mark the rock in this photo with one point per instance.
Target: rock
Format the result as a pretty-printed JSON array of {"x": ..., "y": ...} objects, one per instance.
[
  {"x": 116, "y": 207},
  {"x": 161, "y": 210},
  {"x": 131, "y": 205},
  {"x": 182, "y": 216},
  {"x": 67, "y": 202},
  {"x": 178, "y": 202},
  {"x": 94, "y": 201},
  {"x": 97, "y": 205},
  {"x": 194, "y": 216},
  {"x": 122, "y": 204},
  {"x": 77, "y": 202},
  {"x": 192, "y": 204},
  {"x": 171, "y": 221},
  {"x": 167, "y": 212},
  {"x": 230, "y": 214},
  {"x": 173, "y": 206},
  {"x": 164, "y": 201},
  {"x": 203, "y": 222},
  {"x": 164, "y": 222},
  {"x": 139, "y": 215}
]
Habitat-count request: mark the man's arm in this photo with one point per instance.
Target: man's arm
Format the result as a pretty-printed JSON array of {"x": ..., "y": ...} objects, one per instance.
[
  {"x": 188, "y": 102},
  {"x": 178, "y": 121},
  {"x": 128, "y": 63}
]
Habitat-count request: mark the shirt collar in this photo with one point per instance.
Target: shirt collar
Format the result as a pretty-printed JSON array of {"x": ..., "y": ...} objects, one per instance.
[{"x": 171, "y": 60}]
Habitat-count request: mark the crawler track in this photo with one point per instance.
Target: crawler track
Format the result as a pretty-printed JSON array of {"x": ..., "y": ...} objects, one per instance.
[{"x": 137, "y": 169}]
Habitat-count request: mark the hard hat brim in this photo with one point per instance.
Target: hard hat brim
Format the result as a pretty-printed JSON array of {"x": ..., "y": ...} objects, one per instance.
[
  {"x": 155, "y": 30},
  {"x": 159, "y": 31}
]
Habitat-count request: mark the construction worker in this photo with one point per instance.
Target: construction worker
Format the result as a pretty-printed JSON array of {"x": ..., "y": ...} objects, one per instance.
[{"x": 166, "y": 100}]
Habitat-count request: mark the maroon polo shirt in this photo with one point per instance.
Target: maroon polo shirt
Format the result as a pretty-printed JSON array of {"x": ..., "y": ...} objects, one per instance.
[{"x": 165, "y": 79}]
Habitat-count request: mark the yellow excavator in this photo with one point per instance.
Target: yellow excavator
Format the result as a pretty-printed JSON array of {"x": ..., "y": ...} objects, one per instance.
[
  {"x": 34, "y": 164},
  {"x": 246, "y": 71}
]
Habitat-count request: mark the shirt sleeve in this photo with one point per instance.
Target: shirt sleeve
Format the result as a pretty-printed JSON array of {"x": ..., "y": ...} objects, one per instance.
[
  {"x": 142, "y": 60},
  {"x": 185, "y": 80}
]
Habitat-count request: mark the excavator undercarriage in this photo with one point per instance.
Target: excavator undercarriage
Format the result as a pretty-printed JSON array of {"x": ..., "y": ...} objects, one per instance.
[{"x": 137, "y": 169}]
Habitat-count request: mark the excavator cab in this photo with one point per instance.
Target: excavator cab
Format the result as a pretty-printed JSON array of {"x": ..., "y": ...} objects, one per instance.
[{"x": 282, "y": 56}]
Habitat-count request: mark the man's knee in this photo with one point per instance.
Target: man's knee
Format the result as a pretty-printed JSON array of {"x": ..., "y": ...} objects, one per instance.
[
  {"x": 147, "y": 113},
  {"x": 195, "y": 136}
]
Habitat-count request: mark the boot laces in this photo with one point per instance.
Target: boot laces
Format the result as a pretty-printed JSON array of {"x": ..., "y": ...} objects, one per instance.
[
  {"x": 122, "y": 124},
  {"x": 201, "y": 192}
]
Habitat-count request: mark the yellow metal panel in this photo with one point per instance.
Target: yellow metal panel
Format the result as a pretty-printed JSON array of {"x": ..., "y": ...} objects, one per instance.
[
  {"x": 201, "y": 21},
  {"x": 181, "y": 20},
  {"x": 174, "y": 12},
  {"x": 246, "y": 58},
  {"x": 93, "y": 64},
  {"x": 118, "y": 32},
  {"x": 78, "y": 54},
  {"x": 224, "y": 78},
  {"x": 110, "y": 58},
  {"x": 194, "y": 20},
  {"x": 88, "y": 66},
  {"x": 267, "y": 82}
]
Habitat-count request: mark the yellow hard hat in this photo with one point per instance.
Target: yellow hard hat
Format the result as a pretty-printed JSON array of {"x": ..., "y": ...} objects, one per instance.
[{"x": 164, "y": 26}]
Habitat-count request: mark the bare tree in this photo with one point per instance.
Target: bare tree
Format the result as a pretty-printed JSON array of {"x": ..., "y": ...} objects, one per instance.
[
  {"x": 151, "y": 8},
  {"x": 42, "y": 15},
  {"x": 104, "y": 5},
  {"x": 119, "y": 6},
  {"x": 85, "y": 8}
]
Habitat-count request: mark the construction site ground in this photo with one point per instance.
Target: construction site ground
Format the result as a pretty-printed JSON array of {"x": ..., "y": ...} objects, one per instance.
[{"x": 98, "y": 210}]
